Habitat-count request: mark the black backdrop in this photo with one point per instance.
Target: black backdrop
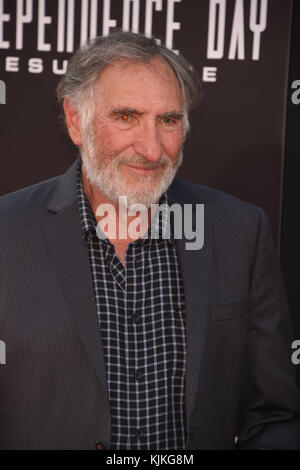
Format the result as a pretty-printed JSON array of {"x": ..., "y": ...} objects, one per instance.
[
  {"x": 290, "y": 239},
  {"x": 239, "y": 137}
]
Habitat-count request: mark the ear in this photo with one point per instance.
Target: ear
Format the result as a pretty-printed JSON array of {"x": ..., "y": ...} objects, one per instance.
[{"x": 72, "y": 121}]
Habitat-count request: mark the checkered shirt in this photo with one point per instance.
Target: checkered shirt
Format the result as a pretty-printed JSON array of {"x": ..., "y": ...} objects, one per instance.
[{"x": 141, "y": 311}]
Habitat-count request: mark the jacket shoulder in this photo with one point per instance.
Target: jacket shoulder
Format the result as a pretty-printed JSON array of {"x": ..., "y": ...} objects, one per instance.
[
  {"x": 220, "y": 201},
  {"x": 29, "y": 199}
]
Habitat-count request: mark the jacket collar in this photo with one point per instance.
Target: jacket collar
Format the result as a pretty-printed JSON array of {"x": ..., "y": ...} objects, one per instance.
[{"x": 64, "y": 193}]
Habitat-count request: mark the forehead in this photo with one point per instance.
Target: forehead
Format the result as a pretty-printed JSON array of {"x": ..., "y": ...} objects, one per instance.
[{"x": 138, "y": 83}]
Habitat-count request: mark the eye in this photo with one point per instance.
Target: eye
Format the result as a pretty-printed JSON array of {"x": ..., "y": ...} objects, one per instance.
[
  {"x": 124, "y": 120},
  {"x": 125, "y": 117},
  {"x": 168, "y": 120}
]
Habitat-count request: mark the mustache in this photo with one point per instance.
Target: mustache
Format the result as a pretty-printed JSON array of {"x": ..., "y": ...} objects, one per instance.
[{"x": 143, "y": 163}]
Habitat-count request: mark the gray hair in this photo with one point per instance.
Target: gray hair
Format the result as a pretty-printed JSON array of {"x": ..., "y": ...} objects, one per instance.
[{"x": 86, "y": 64}]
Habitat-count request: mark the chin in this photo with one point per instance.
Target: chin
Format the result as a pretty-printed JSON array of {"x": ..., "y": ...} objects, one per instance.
[{"x": 139, "y": 189}]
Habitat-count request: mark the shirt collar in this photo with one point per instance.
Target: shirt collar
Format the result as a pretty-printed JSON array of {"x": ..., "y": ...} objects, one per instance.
[{"x": 88, "y": 221}]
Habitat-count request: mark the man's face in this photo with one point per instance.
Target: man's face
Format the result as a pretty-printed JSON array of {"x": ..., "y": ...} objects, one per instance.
[{"x": 133, "y": 146}]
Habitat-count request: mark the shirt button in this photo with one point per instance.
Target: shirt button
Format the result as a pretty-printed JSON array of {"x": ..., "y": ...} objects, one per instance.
[
  {"x": 135, "y": 317},
  {"x": 100, "y": 446},
  {"x": 139, "y": 433},
  {"x": 139, "y": 374}
]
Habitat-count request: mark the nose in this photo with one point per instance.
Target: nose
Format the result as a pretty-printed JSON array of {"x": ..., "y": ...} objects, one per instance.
[{"x": 148, "y": 142}]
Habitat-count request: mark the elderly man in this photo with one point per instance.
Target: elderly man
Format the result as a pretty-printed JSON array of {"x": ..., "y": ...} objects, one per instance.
[{"x": 136, "y": 342}]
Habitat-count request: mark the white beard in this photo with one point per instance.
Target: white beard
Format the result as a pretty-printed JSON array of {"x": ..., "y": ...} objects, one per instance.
[{"x": 109, "y": 179}]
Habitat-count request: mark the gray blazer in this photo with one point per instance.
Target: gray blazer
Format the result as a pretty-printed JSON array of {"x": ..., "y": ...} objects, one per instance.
[{"x": 53, "y": 390}]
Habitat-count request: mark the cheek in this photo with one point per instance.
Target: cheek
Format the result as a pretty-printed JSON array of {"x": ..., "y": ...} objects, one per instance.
[
  {"x": 111, "y": 141},
  {"x": 172, "y": 144}
]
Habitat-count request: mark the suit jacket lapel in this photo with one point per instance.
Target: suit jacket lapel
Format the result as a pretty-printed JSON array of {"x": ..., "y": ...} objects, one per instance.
[
  {"x": 195, "y": 265},
  {"x": 69, "y": 254}
]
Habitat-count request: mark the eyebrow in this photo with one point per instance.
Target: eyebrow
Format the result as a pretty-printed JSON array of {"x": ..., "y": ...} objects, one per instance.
[
  {"x": 172, "y": 114},
  {"x": 126, "y": 110}
]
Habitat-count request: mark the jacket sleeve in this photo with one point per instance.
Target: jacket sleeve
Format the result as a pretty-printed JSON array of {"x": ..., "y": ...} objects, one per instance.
[{"x": 270, "y": 402}]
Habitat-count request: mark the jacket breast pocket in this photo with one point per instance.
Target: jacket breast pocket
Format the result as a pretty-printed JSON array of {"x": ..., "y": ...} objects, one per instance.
[{"x": 230, "y": 311}]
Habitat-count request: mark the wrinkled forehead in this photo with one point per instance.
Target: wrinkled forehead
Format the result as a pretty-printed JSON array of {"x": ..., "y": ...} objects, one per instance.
[{"x": 122, "y": 72}]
